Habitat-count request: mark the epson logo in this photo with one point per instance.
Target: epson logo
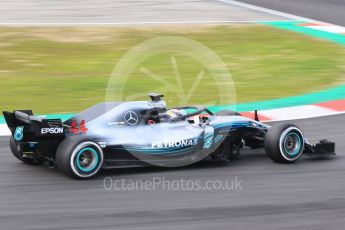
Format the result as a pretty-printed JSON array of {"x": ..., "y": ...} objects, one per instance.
[
  {"x": 51, "y": 130},
  {"x": 174, "y": 144}
]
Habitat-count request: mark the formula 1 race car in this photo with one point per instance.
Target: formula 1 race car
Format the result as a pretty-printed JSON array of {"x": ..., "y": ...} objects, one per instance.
[{"x": 118, "y": 134}]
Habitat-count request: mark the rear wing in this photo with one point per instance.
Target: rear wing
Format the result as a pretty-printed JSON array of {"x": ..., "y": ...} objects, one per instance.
[
  {"x": 33, "y": 126},
  {"x": 20, "y": 117},
  {"x": 26, "y": 118}
]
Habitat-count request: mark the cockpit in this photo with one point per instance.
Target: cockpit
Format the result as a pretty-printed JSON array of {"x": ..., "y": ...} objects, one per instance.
[{"x": 160, "y": 113}]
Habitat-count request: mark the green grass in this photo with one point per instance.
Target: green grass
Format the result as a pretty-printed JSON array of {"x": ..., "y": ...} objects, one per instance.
[{"x": 61, "y": 70}]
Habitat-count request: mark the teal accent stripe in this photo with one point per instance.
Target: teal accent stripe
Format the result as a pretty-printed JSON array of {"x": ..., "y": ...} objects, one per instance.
[
  {"x": 332, "y": 94},
  {"x": 293, "y": 26}
]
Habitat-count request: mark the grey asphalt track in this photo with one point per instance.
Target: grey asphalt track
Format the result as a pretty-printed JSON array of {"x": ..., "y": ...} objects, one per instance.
[
  {"x": 331, "y": 11},
  {"x": 124, "y": 11},
  {"x": 307, "y": 195},
  {"x": 138, "y": 11}
]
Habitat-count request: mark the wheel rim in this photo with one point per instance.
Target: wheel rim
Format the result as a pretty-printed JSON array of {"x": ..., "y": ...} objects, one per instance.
[
  {"x": 292, "y": 144},
  {"x": 87, "y": 159}
]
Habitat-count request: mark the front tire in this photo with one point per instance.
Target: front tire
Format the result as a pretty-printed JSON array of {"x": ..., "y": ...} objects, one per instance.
[
  {"x": 79, "y": 158},
  {"x": 284, "y": 143}
]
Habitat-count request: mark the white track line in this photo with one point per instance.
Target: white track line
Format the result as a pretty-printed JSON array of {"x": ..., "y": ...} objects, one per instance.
[
  {"x": 4, "y": 131},
  {"x": 303, "y": 118},
  {"x": 131, "y": 23},
  {"x": 329, "y": 28},
  {"x": 269, "y": 11},
  {"x": 296, "y": 112}
]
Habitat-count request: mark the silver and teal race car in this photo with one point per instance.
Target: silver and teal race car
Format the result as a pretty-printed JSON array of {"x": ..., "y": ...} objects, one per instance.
[{"x": 137, "y": 133}]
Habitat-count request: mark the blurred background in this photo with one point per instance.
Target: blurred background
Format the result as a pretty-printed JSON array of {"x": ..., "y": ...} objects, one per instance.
[{"x": 57, "y": 57}]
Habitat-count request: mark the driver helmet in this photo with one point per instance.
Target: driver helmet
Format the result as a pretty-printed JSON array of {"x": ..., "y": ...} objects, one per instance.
[{"x": 173, "y": 113}]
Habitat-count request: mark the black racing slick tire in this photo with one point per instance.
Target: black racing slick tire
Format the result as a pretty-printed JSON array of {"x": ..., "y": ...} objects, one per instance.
[
  {"x": 227, "y": 113},
  {"x": 16, "y": 150},
  {"x": 284, "y": 143},
  {"x": 79, "y": 158}
]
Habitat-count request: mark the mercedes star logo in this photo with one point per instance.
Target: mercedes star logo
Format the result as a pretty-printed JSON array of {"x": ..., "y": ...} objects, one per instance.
[{"x": 131, "y": 118}]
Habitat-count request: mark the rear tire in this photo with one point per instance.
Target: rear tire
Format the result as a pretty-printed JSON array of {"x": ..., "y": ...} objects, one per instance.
[
  {"x": 284, "y": 143},
  {"x": 227, "y": 113},
  {"x": 79, "y": 158},
  {"x": 17, "y": 151}
]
